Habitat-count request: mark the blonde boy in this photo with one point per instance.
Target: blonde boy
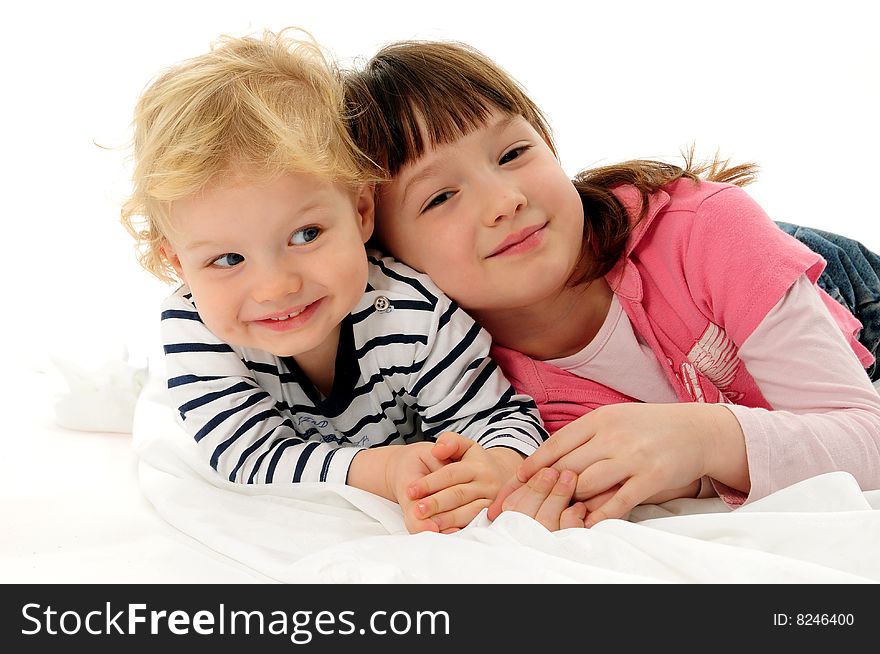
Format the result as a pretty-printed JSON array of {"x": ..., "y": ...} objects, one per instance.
[{"x": 293, "y": 352}]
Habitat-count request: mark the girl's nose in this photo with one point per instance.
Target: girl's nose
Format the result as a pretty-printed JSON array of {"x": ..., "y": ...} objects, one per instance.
[{"x": 505, "y": 200}]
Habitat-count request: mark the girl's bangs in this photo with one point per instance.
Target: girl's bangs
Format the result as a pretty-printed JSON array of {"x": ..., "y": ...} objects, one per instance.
[
  {"x": 416, "y": 95},
  {"x": 424, "y": 118}
]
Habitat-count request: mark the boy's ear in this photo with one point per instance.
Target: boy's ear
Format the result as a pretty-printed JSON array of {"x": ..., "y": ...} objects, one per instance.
[
  {"x": 171, "y": 257},
  {"x": 365, "y": 205}
]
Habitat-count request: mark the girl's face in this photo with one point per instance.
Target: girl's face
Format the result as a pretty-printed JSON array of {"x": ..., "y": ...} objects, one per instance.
[
  {"x": 492, "y": 217},
  {"x": 276, "y": 265}
]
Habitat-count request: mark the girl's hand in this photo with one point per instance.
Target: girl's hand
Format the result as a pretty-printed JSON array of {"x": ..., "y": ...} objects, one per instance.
[
  {"x": 547, "y": 497},
  {"x": 554, "y": 506},
  {"x": 637, "y": 452},
  {"x": 466, "y": 484}
]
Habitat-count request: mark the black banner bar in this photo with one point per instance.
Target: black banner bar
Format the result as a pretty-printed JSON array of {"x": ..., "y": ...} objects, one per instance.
[{"x": 426, "y": 618}]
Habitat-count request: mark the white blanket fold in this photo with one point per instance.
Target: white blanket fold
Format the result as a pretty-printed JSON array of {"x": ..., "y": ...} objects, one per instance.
[{"x": 821, "y": 530}]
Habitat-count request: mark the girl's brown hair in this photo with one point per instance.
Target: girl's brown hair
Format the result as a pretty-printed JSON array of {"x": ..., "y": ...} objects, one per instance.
[{"x": 449, "y": 88}]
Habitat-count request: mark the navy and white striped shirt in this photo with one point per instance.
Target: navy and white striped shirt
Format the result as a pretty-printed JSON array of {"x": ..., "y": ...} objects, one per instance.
[{"x": 411, "y": 364}]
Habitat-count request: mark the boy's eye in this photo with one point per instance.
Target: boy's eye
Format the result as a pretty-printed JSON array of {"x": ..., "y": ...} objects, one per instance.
[
  {"x": 305, "y": 235},
  {"x": 510, "y": 155},
  {"x": 438, "y": 199},
  {"x": 227, "y": 260}
]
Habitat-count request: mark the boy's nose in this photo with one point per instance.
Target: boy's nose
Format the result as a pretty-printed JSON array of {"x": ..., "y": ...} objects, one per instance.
[{"x": 276, "y": 284}]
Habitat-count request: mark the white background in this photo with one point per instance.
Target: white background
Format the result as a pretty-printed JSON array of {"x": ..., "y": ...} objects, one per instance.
[{"x": 794, "y": 86}]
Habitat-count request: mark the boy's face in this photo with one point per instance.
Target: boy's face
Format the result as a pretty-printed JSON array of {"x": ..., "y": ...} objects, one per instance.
[
  {"x": 491, "y": 217},
  {"x": 274, "y": 265}
]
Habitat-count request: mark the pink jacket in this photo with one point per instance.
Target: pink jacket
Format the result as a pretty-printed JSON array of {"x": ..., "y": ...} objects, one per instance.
[{"x": 695, "y": 280}]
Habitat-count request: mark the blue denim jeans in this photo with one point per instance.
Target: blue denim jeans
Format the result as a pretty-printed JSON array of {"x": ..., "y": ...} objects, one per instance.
[{"x": 852, "y": 277}]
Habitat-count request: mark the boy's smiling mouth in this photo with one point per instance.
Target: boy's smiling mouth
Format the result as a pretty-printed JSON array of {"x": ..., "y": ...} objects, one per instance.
[
  {"x": 288, "y": 318},
  {"x": 289, "y": 315}
]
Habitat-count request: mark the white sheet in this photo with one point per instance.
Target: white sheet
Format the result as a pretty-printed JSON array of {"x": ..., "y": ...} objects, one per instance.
[
  {"x": 821, "y": 530},
  {"x": 71, "y": 507}
]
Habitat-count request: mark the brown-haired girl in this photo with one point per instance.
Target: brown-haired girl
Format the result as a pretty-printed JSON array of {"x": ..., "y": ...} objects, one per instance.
[{"x": 673, "y": 336}]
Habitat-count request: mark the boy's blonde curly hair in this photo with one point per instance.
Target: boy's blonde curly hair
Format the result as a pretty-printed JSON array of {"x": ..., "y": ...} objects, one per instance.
[{"x": 250, "y": 108}]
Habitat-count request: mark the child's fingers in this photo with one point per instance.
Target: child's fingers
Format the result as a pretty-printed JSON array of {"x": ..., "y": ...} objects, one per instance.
[
  {"x": 495, "y": 508},
  {"x": 460, "y": 516},
  {"x": 621, "y": 503},
  {"x": 451, "y": 446},
  {"x": 598, "y": 500},
  {"x": 569, "y": 438},
  {"x": 573, "y": 517},
  {"x": 599, "y": 477},
  {"x": 550, "y": 512},
  {"x": 449, "y": 475},
  {"x": 450, "y": 498},
  {"x": 531, "y": 496}
]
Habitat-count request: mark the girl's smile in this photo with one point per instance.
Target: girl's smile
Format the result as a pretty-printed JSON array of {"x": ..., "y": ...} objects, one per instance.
[
  {"x": 521, "y": 241},
  {"x": 491, "y": 217},
  {"x": 495, "y": 221}
]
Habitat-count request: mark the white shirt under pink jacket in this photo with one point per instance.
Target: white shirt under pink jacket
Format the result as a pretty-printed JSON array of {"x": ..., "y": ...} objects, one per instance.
[{"x": 714, "y": 303}]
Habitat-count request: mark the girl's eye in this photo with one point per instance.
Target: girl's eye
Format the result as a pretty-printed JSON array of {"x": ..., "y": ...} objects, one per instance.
[
  {"x": 510, "y": 155},
  {"x": 438, "y": 199},
  {"x": 227, "y": 260},
  {"x": 305, "y": 235}
]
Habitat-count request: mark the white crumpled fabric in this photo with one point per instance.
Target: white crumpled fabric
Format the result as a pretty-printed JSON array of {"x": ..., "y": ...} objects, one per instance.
[
  {"x": 100, "y": 395},
  {"x": 821, "y": 530}
]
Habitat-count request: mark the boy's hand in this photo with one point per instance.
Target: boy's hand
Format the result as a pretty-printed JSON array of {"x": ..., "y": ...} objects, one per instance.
[
  {"x": 409, "y": 464},
  {"x": 453, "y": 495}
]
